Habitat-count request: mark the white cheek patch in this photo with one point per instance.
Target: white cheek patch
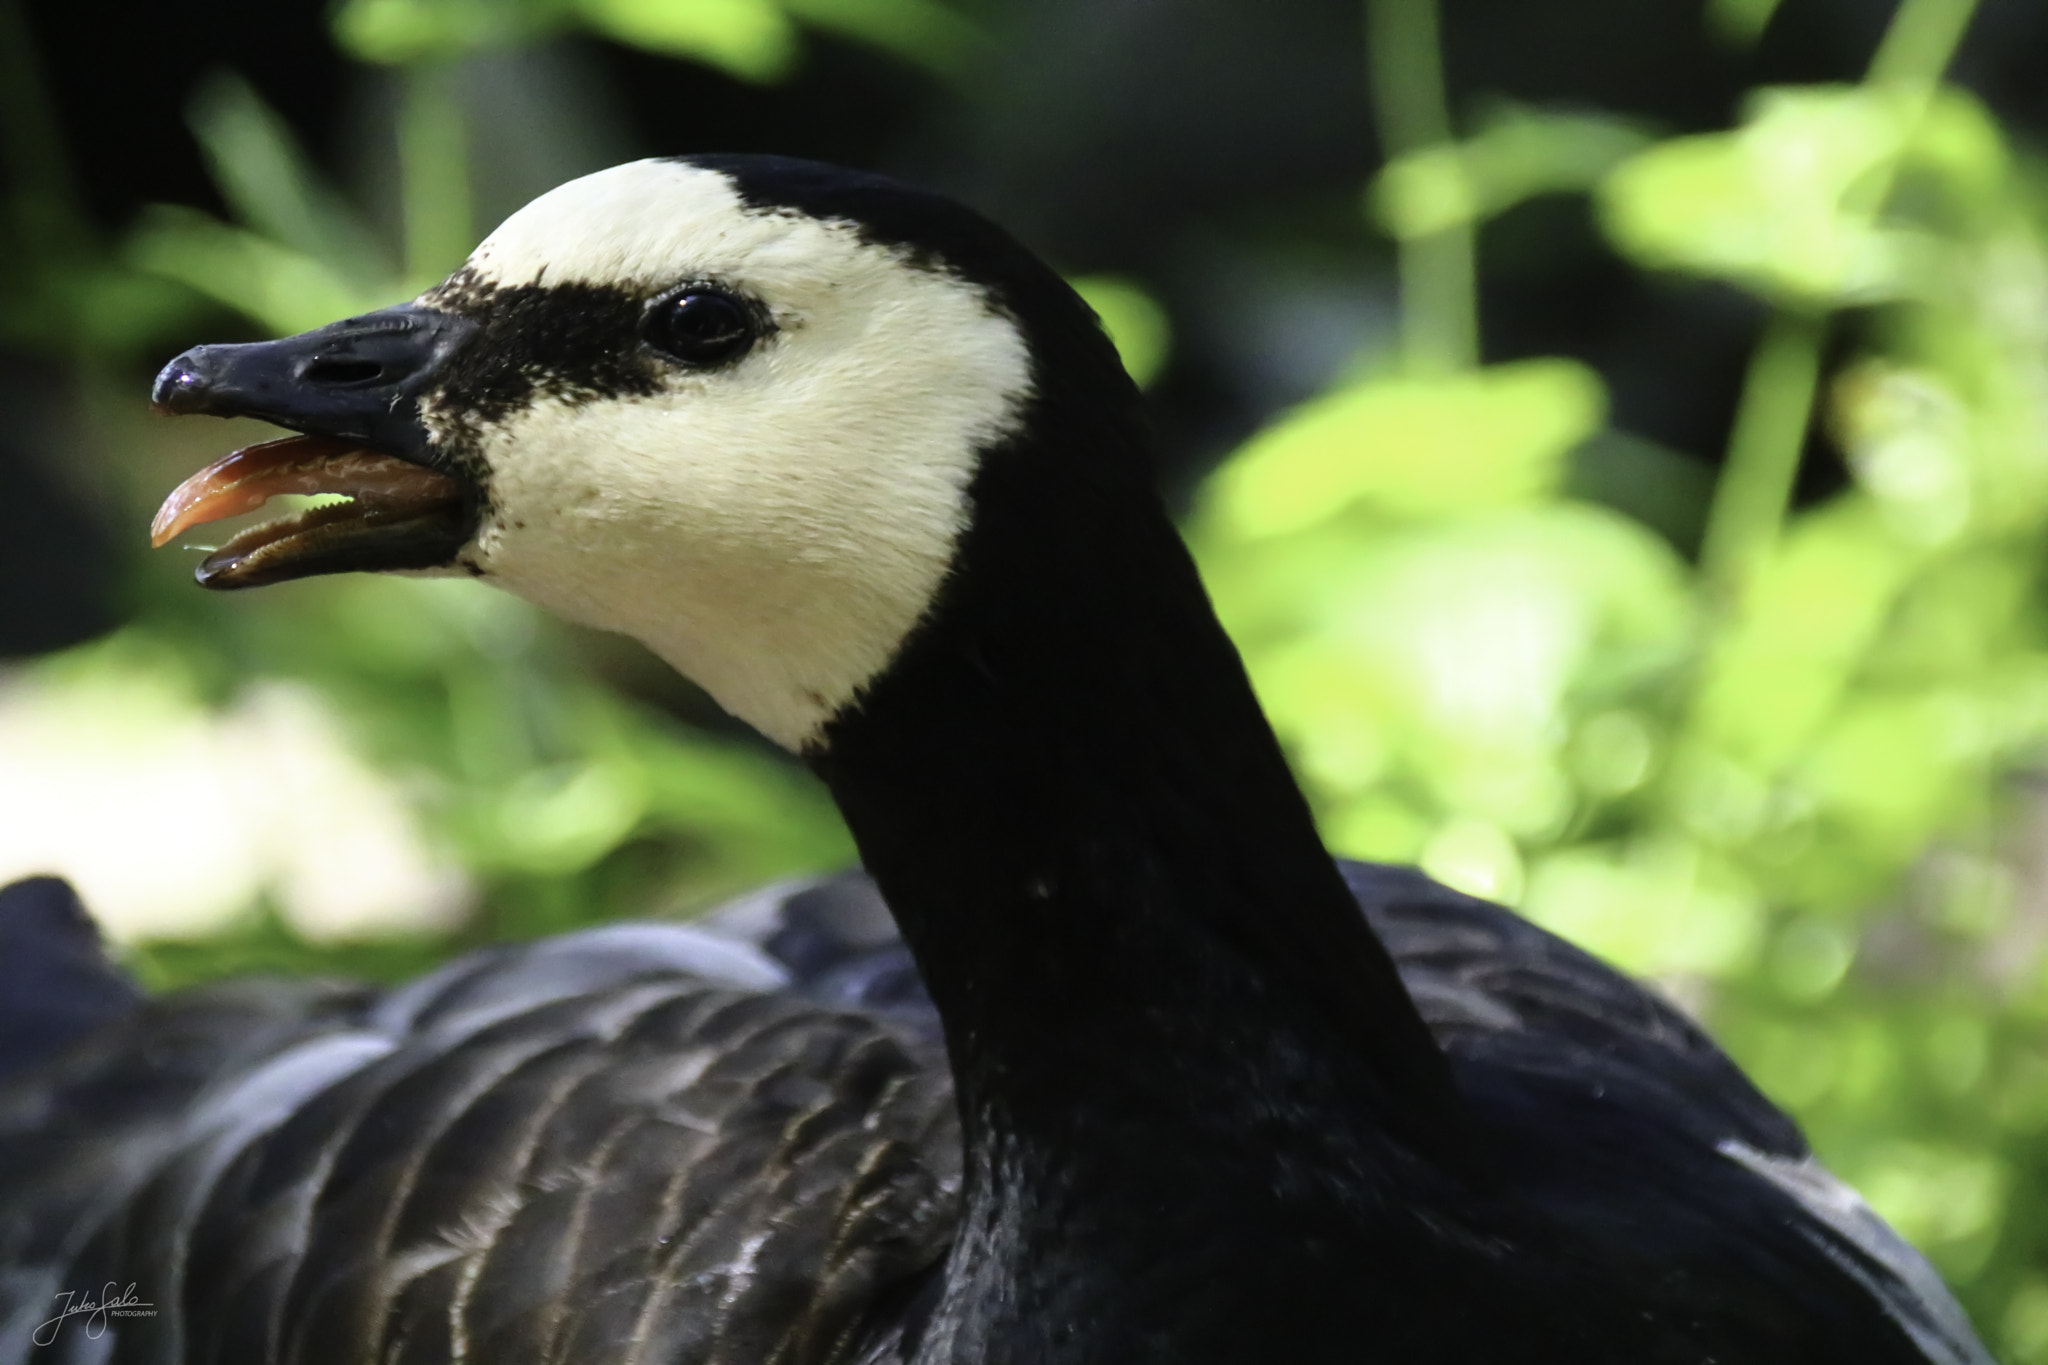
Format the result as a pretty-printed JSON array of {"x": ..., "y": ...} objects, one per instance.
[{"x": 774, "y": 530}]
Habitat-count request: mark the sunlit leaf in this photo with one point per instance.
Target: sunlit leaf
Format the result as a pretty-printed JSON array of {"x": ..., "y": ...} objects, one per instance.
[
  {"x": 1519, "y": 152},
  {"x": 2026, "y": 1320},
  {"x": 1133, "y": 319},
  {"x": 1810, "y": 957},
  {"x": 1661, "y": 908},
  {"x": 1476, "y": 857},
  {"x": 1909, "y": 443},
  {"x": 1948, "y": 1200},
  {"x": 213, "y": 807},
  {"x": 1450, "y": 656},
  {"x": 1412, "y": 446},
  {"x": 1817, "y": 607},
  {"x": 1613, "y": 752},
  {"x": 563, "y": 820},
  {"x": 751, "y": 39},
  {"x": 397, "y": 32},
  {"x": 1790, "y": 204},
  {"x": 1899, "y": 768}
]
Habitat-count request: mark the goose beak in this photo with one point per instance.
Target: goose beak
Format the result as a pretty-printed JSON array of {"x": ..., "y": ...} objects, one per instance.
[{"x": 352, "y": 390}]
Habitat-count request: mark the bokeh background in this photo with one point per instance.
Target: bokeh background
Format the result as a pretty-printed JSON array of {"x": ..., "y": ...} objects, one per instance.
[{"x": 1615, "y": 430}]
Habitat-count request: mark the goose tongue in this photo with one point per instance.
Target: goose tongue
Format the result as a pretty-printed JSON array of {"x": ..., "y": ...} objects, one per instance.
[
  {"x": 401, "y": 515},
  {"x": 248, "y": 478}
]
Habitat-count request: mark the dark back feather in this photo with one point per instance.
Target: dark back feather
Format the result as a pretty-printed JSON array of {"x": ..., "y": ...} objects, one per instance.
[
  {"x": 56, "y": 983},
  {"x": 736, "y": 1143},
  {"x": 639, "y": 1144}
]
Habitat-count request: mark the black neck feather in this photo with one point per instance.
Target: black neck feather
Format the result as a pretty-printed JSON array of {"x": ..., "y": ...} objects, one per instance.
[{"x": 1169, "y": 1026}]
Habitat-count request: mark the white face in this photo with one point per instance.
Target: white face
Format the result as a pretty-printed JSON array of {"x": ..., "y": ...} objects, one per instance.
[{"x": 773, "y": 528}]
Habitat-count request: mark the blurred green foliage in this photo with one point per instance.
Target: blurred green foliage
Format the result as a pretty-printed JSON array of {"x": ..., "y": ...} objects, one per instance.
[
  {"x": 1790, "y": 778},
  {"x": 756, "y": 40},
  {"x": 1777, "y": 778}
]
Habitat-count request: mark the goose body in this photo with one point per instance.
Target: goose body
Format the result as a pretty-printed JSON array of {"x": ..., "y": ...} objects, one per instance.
[{"x": 1147, "y": 1075}]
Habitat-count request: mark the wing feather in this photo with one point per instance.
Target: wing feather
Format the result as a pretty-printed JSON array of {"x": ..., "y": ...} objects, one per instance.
[
  {"x": 633, "y": 1143},
  {"x": 735, "y": 1143}
]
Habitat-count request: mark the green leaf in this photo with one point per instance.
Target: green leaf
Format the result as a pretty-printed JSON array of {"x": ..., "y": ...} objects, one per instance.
[
  {"x": 280, "y": 289},
  {"x": 563, "y": 820},
  {"x": 1898, "y": 770},
  {"x": 272, "y": 185},
  {"x": 1134, "y": 320},
  {"x": 1412, "y": 447},
  {"x": 400, "y": 32},
  {"x": 1658, "y": 907},
  {"x": 1518, "y": 153},
  {"x": 751, "y": 39},
  {"x": 1448, "y": 657},
  {"x": 1948, "y": 1200},
  {"x": 1814, "y": 612},
  {"x": 1789, "y": 205}
]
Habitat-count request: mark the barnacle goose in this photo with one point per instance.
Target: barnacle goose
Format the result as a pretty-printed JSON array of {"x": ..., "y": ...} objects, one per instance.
[{"x": 1137, "y": 1082}]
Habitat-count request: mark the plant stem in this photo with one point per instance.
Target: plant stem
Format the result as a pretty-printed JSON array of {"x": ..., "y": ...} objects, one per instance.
[
  {"x": 434, "y": 157},
  {"x": 1755, "y": 487},
  {"x": 1440, "y": 301},
  {"x": 1741, "y": 22},
  {"x": 1407, "y": 74},
  {"x": 1439, "y": 279},
  {"x": 1917, "y": 47},
  {"x": 1920, "y": 42}
]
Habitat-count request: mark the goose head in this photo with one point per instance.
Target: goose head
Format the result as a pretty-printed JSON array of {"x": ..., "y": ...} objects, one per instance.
[{"x": 735, "y": 407}]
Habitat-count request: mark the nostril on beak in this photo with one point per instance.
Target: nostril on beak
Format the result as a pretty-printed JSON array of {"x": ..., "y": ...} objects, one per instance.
[{"x": 334, "y": 372}]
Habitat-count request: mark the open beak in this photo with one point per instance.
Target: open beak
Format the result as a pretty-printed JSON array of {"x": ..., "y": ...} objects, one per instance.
[{"x": 352, "y": 390}]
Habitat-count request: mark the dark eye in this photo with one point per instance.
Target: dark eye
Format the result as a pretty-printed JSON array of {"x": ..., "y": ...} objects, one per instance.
[{"x": 700, "y": 326}]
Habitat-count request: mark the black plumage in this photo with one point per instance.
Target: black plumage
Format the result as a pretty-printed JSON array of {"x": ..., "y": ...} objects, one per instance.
[
  {"x": 55, "y": 980},
  {"x": 583, "y": 1151},
  {"x": 587, "y": 1151}
]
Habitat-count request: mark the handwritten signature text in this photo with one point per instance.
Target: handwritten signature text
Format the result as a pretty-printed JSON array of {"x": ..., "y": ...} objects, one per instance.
[{"x": 112, "y": 1303}]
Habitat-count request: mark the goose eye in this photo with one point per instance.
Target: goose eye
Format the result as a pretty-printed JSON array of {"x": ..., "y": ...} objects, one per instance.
[{"x": 700, "y": 326}]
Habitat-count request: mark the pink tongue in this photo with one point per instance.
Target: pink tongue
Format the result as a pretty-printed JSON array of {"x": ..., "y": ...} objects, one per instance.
[{"x": 249, "y": 478}]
